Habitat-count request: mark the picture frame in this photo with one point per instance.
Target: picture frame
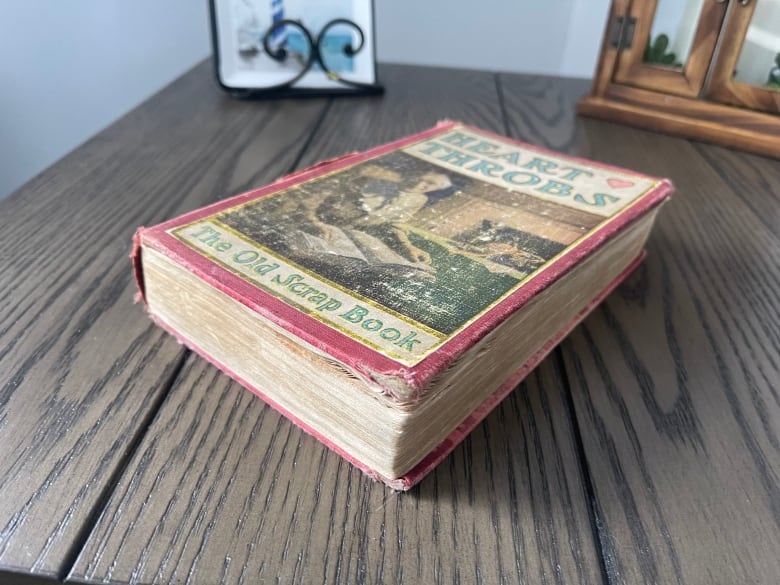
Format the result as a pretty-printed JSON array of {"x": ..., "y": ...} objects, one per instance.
[{"x": 289, "y": 48}]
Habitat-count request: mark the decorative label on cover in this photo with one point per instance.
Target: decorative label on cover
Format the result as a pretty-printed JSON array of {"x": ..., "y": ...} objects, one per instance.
[{"x": 402, "y": 251}]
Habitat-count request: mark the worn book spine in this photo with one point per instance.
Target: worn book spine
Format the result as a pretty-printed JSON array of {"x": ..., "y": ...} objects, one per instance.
[
  {"x": 464, "y": 429},
  {"x": 435, "y": 457},
  {"x": 357, "y": 356},
  {"x": 342, "y": 347}
]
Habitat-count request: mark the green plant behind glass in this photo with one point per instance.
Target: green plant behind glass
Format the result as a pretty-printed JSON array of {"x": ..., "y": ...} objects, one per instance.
[
  {"x": 773, "y": 82},
  {"x": 656, "y": 52}
]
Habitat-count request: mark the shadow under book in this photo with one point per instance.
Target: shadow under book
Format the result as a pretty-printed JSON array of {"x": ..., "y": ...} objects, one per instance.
[{"x": 388, "y": 300}]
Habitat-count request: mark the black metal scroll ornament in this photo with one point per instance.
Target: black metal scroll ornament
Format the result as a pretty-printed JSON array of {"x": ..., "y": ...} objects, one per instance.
[{"x": 315, "y": 55}]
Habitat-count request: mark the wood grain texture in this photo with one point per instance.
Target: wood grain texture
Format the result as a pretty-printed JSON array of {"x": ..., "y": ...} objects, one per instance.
[
  {"x": 675, "y": 378},
  {"x": 662, "y": 99},
  {"x": 415, "y": 99},
  {"x": 608, "y": 55},
  {"x": 696, "y": 119},
  {"x": 654, "y": 427},
  {"x": 224, "y": 490},
  {"x": 755, "y": 180},
  {"x": 542, "y": 110},
  {"x": 722, "y": 85},
  {"x": 743, "y": 122},
  {"x": 688, "y": 80},
  {"x": 82, "y": 371}
]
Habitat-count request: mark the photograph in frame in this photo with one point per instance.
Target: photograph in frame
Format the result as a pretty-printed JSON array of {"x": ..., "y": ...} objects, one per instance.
[{"x": 267, "y": 44}]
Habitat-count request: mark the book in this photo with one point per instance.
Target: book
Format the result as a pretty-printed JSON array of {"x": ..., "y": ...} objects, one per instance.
[{"x": 386, "y": 301}]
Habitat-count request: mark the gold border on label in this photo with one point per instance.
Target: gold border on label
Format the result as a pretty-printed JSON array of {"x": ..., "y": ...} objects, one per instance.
[
  {"x": 346, "y": 291},
  {"x": 306, "y": 310}
]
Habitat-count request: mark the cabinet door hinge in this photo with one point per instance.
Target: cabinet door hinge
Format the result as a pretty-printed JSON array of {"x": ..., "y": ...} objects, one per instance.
[{"x": 622, "y": 32}]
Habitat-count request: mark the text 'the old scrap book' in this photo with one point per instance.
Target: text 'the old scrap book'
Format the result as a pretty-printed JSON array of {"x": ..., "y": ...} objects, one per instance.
[{"x": 388, "y": 300}]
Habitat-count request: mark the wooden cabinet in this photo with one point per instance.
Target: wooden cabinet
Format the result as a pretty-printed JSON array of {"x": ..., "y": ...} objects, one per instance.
[{"x": 704, "y": 69}]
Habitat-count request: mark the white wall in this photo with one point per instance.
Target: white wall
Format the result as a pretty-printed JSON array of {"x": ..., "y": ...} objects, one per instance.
[
  {"x": 68, "y": 69},
  {"x": 587, "y": 23},
  {"x": 553, "y": 37}
]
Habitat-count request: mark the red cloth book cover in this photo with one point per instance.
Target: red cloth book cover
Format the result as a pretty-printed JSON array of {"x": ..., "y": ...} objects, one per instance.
[{"x": 397, "y": 262}]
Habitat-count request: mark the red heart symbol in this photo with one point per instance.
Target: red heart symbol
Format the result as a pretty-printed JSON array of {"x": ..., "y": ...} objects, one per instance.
[{"x": 619, "y": 183}]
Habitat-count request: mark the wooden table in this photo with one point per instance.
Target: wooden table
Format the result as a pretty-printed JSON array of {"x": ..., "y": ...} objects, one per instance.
[{"x": 646, "y": 449}]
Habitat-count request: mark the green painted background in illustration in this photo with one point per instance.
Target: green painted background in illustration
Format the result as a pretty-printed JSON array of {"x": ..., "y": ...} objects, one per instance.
[{"x": 360, "y": 229}]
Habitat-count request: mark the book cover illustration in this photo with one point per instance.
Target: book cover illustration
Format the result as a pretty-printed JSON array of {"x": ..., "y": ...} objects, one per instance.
[{"x": 402, "y": 250}]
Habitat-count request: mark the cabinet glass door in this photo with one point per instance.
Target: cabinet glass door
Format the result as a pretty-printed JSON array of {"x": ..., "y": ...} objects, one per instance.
[
  {"x": 672, "y": 46},
  {"x": 747, "y": 70}
]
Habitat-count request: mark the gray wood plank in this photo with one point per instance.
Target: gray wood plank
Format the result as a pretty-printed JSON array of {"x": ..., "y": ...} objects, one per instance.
[
  {"x": 675, "y": 379},
  {"x": 82, "y": 371},
  {"x": 415, "y": 99},
  {"x": 224, "y": 490},
  {"x": 754, "y": 179}
]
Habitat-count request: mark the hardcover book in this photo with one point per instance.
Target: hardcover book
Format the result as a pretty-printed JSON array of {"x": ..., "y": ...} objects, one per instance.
[{"x": 388, "y": 300}]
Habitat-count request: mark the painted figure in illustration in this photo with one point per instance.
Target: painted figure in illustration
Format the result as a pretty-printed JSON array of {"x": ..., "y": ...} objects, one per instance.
[
  {"x": 394, "y": 230},
  {"x": 371, "y": 223}
]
